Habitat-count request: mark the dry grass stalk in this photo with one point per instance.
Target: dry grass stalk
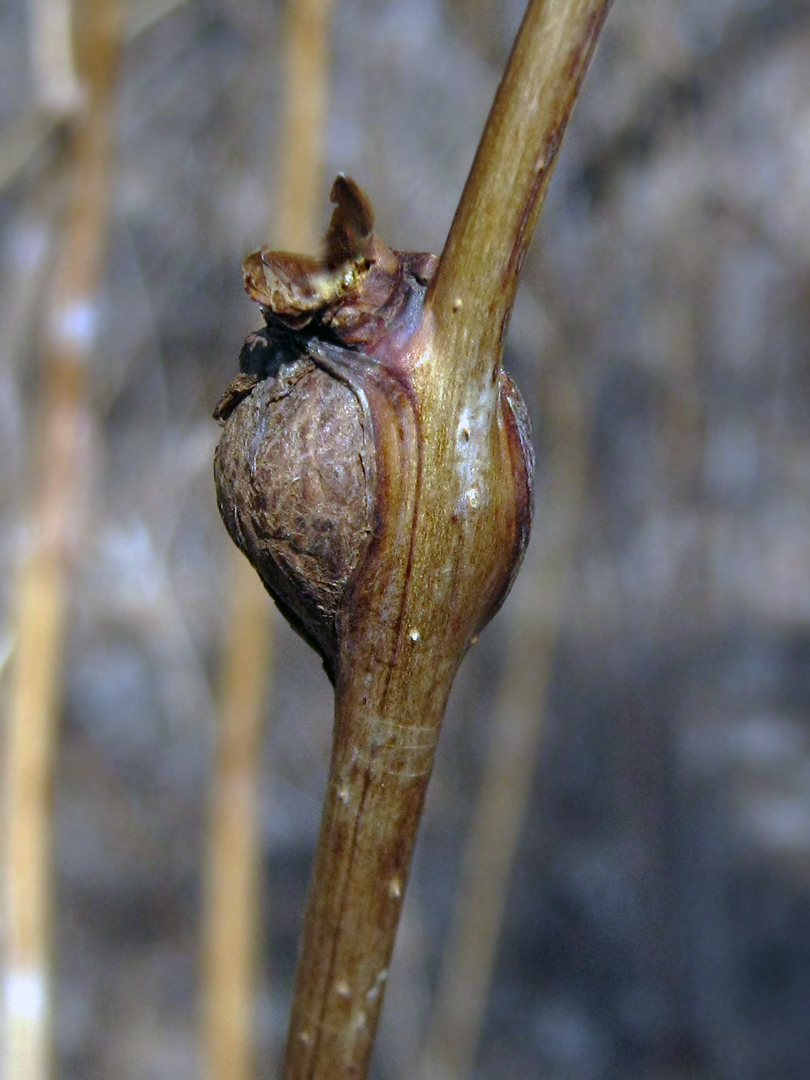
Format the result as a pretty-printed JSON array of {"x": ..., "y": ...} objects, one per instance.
[
  {"x": 519, "y": 716},
  {"x": 56, "y": 81},
  {"x": 42, "y": 585},
  {"x": 232, "y": 909},
  {"x": 231, "y": 912},
  {"x": 431, "y": 578},
  {"x": 294, "y": 221},
  {"x": 21, "y": 143},
  {"x": 59, "y": 94}
]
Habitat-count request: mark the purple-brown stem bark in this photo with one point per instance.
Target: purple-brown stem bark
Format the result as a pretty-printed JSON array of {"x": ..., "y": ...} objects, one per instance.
[{"x": 439, "y": 436}]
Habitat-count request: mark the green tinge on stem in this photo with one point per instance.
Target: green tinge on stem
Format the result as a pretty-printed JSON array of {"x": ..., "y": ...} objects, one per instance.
[{"x": 472, "y": 294}]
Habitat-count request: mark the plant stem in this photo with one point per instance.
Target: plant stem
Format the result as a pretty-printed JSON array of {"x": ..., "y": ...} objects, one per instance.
[
  {"x": 472, "y": 295},
  {"x": 448, "y": 514}
]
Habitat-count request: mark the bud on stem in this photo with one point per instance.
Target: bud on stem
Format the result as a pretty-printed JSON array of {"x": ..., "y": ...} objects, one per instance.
[
  {"x": 376, "y": 468},
  {"x": 388, "y": 515}
]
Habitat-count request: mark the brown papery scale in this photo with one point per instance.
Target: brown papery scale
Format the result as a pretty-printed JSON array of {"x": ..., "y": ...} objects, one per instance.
[{"x": 322, "y": 429}]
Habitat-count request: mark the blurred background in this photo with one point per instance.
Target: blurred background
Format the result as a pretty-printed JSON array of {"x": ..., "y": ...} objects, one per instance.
[{"x": 648, "y": 680}]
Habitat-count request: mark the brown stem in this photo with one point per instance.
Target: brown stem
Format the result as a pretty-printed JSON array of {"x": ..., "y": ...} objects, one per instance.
[
  {"x": 472, "y": 295},
  {"x": 427, "y": 587},
  {"x": 450, "y": 499}
]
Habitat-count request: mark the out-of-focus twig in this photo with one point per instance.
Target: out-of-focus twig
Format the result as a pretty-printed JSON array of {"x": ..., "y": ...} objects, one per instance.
[
  {"x": 536, "y": 611},
  {"x": 58, "y": 93},
  {"x": 232, "y": 910},
  {"x": 142, "y": 15},
  {"x": 21, "y": 144},
  {"x": 69, "y": 297},
  {"x": 294, "y": 220},
  {"x": 56, "y": 81},
  {"x": 230, "y": 942}
]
